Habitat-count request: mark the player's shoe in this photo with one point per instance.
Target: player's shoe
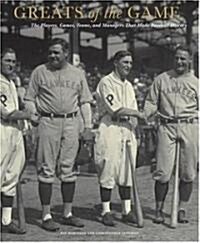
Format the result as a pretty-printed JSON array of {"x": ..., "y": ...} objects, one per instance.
[
  {"x": 107, "y": 219},
  {"x": 182, "y": 217},
  {"x": 50, "y": 225},
  {"x": 73, "y": 221},
  {"x": 129, "y": 218},
  {"x": 159, "y": 218},
  {"x": 12, "y": 228}
]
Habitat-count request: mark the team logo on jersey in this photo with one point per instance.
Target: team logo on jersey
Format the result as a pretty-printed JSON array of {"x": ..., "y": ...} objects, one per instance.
[
  {"x": 110, "y": 98},
  {"x": 3, "y": 99}
]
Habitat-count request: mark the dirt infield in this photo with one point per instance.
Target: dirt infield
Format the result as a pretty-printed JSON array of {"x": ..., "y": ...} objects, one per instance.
[{"x": 86, "y": 206}]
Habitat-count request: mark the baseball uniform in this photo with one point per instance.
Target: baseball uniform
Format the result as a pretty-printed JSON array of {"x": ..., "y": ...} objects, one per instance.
[
  {"x": 12, "y": 146},
  {"x": 176, "y": 99},
  {"x": 111, "y": 158},
  {"x": 57, "y": 93}
]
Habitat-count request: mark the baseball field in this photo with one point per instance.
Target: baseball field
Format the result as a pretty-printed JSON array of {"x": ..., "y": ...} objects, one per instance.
[{"x": 87, "y": 207}]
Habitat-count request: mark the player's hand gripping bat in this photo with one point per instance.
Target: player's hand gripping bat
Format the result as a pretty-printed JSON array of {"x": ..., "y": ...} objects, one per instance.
[
  {"x": 174, "y": 207},
  {"x": 138, "y": 208}
]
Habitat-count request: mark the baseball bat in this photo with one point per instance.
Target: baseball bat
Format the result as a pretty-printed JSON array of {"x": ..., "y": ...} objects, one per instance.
[
  {"x": 137, "y": 204},
  {"x": 20, "y": 208},
  {"x": 174, "y": 207}
]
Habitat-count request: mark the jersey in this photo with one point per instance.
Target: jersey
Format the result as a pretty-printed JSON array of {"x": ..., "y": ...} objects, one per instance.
[
  {"x": 112, "y": 162},
  {"x": 12, "y": 148},
  {"x": 173, "y": 96},
  {"x": 58, "y": 91},
  {"x": 114, "y": 94},
  {"x": 9, "y": 98}
]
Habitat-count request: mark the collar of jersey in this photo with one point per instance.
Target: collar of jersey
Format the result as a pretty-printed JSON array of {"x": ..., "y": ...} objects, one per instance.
[
  {"x": 4, "y": 79},
  {"x": 173, "y": 74},
  {"x": 117, "y": 80},
  {"x": 48, "y": 66}
]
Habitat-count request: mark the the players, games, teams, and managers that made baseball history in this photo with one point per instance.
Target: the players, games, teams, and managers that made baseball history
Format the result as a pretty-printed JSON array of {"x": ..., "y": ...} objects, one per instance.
[{"x": 110, "y": 128}]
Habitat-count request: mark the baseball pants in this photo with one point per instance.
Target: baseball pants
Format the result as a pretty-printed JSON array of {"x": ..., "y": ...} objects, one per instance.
[{"x": 187, "y": 135}]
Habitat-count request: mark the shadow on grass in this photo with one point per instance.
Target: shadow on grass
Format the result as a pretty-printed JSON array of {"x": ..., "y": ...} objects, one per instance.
[
  {"x": 148, "y": 212},
  {"x": 84, "y": 213},
  {"x": 33, "y": 216}
]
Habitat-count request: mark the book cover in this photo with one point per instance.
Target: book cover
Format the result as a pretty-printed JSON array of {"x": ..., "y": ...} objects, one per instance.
[{"x": 96, "y": 30}]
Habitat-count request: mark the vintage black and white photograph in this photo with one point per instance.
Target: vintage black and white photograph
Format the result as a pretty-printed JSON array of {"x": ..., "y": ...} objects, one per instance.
[{"x": 99, "y": 121}]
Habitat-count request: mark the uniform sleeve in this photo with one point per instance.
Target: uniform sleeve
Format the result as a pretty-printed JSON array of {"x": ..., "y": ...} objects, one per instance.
[
  {"x": 32, "y": 92},
  {"x": 87, "y": 115},
  {"x": 33, "y": 87},
  {"x": 152, "y": 99},
  {"x": 108, "y": 97},
  {"x": 85, "y": 94}
]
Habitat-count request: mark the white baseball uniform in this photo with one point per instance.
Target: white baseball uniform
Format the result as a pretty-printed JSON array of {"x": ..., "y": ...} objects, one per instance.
[
  {"x": 111, "y": 159},
  {"x": 12, "y": 146}
]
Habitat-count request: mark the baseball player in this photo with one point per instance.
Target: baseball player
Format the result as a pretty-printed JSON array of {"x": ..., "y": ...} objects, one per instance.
[
  {"x": 117, "y": 106},
  {"x": 56, "y": 89},
  {"x": 174, "y": 95},
  {"x": 12, "y": 147}
]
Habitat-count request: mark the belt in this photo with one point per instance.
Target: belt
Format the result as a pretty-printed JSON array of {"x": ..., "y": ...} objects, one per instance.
[
  {"x": 120, "y": 119},
  {"x": 8, "y": 123},
  {"x": 178, "y": 120},
  {"x": 52, "y": 115}
]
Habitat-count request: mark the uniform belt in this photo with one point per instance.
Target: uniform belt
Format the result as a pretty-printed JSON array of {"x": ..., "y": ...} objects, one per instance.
[
  {"x": 52, "y": 115},
  {"x": 8, "y": 123},
  {"x": 178, "y": 120},
  {"x": 120, "y": 119}
]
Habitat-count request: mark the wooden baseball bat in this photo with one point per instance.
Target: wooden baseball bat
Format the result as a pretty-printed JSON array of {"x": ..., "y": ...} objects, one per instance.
[
  {"x": 174, "y": 207},
  {"x": 20, "y": 208},
  {"x": 137, "y": 204}
]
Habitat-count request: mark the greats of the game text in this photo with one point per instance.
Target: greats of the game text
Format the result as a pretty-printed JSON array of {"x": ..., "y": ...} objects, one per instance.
[{"x": 112, "y": 12}]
